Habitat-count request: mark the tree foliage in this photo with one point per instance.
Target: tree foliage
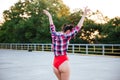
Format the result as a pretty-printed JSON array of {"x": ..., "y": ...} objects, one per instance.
[
  {"x": 26, "y": 23},
  {"x": 111, "y": 31}
]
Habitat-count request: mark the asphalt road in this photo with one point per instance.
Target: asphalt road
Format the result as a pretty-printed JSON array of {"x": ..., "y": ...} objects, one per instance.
[{"x": 36, "y": 65}]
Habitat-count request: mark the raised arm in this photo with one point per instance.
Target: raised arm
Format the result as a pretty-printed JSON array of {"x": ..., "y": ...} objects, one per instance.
[
  {"x": 49, "y": 16},
  {"x": 52, "y": 26},
  {"x": 80, "y": 23}
]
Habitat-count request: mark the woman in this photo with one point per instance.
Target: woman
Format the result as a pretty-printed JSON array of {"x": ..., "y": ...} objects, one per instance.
[{"x": 60, "y": 42}]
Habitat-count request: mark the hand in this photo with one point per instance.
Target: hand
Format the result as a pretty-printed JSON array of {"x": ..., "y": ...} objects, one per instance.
[
  {"x": 49, "y": 16},
  {"x": 47, "y": 13},
  {"x": 86, "y": 10}
]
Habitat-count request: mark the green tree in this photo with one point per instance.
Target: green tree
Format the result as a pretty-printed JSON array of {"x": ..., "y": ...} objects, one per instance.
[
  {"x": 25, "y": 21},
  {"x": 111, "y": 31}
]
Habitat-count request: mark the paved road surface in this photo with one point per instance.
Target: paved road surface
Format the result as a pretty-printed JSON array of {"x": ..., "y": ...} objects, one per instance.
[{"x": 36, "y": 65}]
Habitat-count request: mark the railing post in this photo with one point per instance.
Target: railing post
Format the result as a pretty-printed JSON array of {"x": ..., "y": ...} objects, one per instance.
[
  {"x": 21, "y": 46},
  {"x": 103, "y": 50},
  {"x": 10, "y": 46},
  {"x": 42, "y": 47},
  {"x": 27, "y": 46},
  {"x": 73, "y": 47},
  {"x": 112, "y": 49},
  {"x": 35, "y": 47},
  {"x": 94, "y": 48},
  {"x": 15, "y": 46},
  {"x": 5, "y": 46},
  {"x": 86, "y": 48}
]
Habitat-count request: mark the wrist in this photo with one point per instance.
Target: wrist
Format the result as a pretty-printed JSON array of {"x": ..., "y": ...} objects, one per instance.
[
  {"x": 83, "y": 15},
  {"x": 49, "y": 16}
]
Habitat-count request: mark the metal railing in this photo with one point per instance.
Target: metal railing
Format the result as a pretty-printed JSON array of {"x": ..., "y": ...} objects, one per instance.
[{"x": 102, "y": 49}]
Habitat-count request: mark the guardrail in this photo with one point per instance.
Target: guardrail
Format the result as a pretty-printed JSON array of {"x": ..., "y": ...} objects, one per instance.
[{"x": 102, "y": 49}]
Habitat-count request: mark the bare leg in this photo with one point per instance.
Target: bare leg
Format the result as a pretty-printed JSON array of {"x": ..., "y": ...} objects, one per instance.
[
  {"x": 57, "y": 73},
  {"x": 65, "y": 70}
]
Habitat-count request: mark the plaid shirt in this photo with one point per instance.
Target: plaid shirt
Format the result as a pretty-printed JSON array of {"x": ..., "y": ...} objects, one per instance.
[{"x": 60, "y": 40}]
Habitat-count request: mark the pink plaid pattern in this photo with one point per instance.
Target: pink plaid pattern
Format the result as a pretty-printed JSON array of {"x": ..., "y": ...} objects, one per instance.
[{"x": 60, "y": 41}]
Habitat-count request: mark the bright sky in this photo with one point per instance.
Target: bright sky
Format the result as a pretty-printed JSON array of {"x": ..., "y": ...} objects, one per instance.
[{"x": 110, "y": 8}]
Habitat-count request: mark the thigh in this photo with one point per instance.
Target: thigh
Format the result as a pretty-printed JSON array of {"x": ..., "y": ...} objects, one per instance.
[
  {"x": 65, "y": 70},
  {"x": 57, "y": 73}
]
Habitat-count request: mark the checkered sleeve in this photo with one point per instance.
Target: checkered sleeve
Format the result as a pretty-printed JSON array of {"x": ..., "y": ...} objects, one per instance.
[
  {"x": 73, "y": 32},
  {"x": 52, "y": 28}
]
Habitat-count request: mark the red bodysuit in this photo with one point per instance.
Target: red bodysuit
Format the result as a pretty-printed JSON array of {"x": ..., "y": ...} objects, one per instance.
[{"x": 58, "y": 60}]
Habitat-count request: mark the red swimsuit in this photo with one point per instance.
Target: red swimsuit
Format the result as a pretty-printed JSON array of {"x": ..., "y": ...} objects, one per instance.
[{"x": 58, "y": 60}]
